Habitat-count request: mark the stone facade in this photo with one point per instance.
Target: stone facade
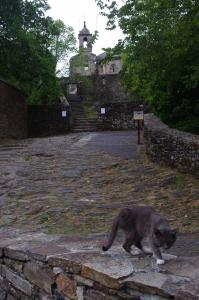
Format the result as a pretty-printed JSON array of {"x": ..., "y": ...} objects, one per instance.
[
  {"x": 13, "y": 112},
  {"x": 175, "y": 148},
  {"x": 87, "y": 63},
  {"x": 84, "y": 63},
  {"x": 40, "y": 267},
  {"x": 46, "y": 120},
  {"x": 112, "y": 67}
]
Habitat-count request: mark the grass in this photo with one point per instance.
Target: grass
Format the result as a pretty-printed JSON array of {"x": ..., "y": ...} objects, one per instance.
[{"x": 179, "y": 181}]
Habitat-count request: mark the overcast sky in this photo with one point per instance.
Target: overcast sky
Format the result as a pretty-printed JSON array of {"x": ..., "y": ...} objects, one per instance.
[{"x": 75, "y": 12}]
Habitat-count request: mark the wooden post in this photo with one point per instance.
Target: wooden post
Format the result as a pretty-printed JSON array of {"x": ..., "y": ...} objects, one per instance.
[{"x": 138, "y": 132}]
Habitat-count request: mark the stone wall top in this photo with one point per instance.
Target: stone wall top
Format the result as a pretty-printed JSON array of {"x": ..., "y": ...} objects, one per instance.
[{"x": 60, "y": 267}]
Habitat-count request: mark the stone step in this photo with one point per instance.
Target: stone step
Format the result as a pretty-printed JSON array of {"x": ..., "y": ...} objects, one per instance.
[
  {"x": 78, "y": 120},
  {"x": 75, "y": 111},
  {"x": 78, "y": 114},
  {"x": 85, "y": 125},
  {"x": 83, "y": 129},
  {"x": 74, "y": 98}
]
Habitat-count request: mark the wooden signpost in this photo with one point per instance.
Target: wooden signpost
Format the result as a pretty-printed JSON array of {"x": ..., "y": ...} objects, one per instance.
[{"x": 139, "y": 117}]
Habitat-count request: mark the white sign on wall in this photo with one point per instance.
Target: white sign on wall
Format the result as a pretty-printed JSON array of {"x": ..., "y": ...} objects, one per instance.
[
  {"x": 64, "y": 113},
  {"x": 103, "y": 110}
]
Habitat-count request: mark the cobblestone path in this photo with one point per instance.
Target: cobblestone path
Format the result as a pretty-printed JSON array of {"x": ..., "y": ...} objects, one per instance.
[{"x": 75, "y": 184}]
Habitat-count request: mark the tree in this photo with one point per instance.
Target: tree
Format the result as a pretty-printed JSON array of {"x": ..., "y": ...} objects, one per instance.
[
  {"x": 62, "y": 42},
  {"x": 160, "y": 54},
  {"x": 27, "y": 57}
]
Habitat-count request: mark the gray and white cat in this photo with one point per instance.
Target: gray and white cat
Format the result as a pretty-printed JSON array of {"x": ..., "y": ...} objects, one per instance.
[{"x": 139, "y": 222}]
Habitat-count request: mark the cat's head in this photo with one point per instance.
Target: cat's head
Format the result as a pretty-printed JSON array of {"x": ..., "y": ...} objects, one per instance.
[{"x": 165, "y": 238}]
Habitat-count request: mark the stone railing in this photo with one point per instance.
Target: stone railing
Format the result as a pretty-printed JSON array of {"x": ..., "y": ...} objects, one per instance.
[
  {"x": 175, "y": 148},
  {"x": 37, "y": 266}
]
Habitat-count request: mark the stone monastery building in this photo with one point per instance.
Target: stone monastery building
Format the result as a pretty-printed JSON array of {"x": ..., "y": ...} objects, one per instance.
[{"x": 87, "y": 63}]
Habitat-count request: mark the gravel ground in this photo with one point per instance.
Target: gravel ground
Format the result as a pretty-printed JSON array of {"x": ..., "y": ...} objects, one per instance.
[{"x": 76, "y": 184}]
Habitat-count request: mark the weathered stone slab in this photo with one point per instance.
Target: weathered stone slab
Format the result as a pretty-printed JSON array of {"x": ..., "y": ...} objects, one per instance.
[
  {"x": 64, "y": 263},
  {"x": 189, "y": 291},
  {"x": 155, "y": 283},
  {"x": 145, "y": 296},
  {"x": 80, "y": 293},
  {"x": 57, "y": 270},
  {"x": 43, "y": 296},
  {"x": 183, "y": 266},
  {"x": 18, "y": 282},
  {"x": 92, "y": 294},
  {"x": 108, "y": 271},
  {"x": 83, "y": 281},
  {"x": 13, "y": 264},
  {"x": 10, "y": 297},
  {"x": 2, "y": 271},
  {"x": 67, "y": 286},
  {"x": 42, "y": 277},
  {"x": 28, "y": 245},
  {"x": 42, "y": 251},
  {"x": 15, "y": 254},
  {"x": 2, "y": 294},
  {"x": 124, "y": 294},
  {"x": 9, "y": 288}
]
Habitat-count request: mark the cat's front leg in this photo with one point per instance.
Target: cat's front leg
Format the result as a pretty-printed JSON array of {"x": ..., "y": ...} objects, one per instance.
[
  {"x": 157, "y": 255},
  {"x": 147, "y": 250}
]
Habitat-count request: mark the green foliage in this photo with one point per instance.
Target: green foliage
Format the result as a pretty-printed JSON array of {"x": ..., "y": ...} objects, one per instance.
[
  {"x": 31, "y": 46},
  {"x": 62, "y": 42},
  {"x": 160, "y": 55}
]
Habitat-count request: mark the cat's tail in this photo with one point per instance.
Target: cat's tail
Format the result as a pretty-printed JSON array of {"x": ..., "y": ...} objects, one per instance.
[{"x": 112, "y": 235}]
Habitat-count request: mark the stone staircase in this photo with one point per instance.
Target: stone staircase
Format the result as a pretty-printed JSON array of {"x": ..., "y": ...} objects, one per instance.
[
  {"x": 80, "y": 121},
  {"x": 84, "y": 124}
]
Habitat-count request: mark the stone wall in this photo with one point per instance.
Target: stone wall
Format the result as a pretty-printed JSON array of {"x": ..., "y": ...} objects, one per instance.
[
  {"x": 118, "y": 103},
  {"x": 41, "y": 267},
  {"x": 44, "y": 120},
  {"x": 117, "y": 116},
  {"x": 172, "y": 147},
  {"x": 109, "y": 89},
  {"x": 13, "y": 112}
]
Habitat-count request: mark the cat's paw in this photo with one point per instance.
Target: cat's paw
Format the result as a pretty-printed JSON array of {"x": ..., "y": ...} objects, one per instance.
[{"x": 160, "y": 261}]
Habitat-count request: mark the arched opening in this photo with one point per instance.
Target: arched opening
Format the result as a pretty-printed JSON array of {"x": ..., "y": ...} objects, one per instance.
[
  {"x": 113, "y": 68},
  {"x": 85, "y": 42}
]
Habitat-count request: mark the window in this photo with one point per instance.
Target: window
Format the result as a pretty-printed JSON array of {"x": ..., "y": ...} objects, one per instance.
[
  {"x": 113, "y": 68},
  {"x": 85, "y": 43}
]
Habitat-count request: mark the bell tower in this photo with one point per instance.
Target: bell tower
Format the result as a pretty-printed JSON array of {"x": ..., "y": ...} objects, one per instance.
[{"x": 84, "y": 37}]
